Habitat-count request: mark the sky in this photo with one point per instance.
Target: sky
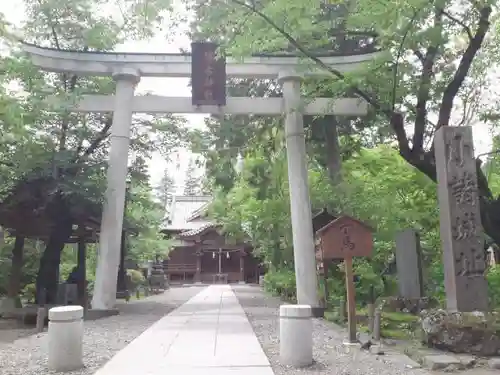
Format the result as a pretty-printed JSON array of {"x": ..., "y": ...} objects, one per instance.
[{"x": 13, "y": 9}]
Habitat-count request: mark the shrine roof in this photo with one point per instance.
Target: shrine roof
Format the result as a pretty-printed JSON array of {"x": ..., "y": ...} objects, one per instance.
[
  {"x": 197, "y": 231},
  {"x": 322, "y": 218},
  {"x": 198, "y": 213},
  {"x": 184, "y": 210},
  {"x": 344, "y": 218}
]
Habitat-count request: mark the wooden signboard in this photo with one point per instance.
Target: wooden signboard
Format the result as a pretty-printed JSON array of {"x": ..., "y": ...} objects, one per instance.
[
  {"x": 208, "y": 75},
  {"x": 345, "y": 238}
]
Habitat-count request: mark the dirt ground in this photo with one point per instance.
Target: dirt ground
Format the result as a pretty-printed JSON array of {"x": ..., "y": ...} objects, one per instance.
[{"x": 11, "y": 330}]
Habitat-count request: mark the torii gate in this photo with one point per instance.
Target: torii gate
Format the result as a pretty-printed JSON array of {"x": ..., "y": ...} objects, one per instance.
[{"x": 127, "y": 70}]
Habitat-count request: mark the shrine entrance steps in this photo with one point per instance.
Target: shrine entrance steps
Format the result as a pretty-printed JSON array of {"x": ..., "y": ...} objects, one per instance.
[{"x": 208, "y": 335}]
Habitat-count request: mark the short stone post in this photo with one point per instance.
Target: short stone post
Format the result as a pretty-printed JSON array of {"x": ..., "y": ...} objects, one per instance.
[
  {"x": 371, "y": 317},
  {"x": 65, "y": 338},
  {"x": 342, "y": 309},
  {"x": 377, "y": 320},
  {"x": 40, "y": 318},
  {"x": 296, "y": 343}
]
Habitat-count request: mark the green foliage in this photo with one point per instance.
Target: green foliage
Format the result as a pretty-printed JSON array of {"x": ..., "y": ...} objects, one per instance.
[
  {"x": 193, "y": 182},
  {"x": 31, "y": 257},
  {"x": 29, "y": 292},
  {"x": 377, "y": 187},
  {"x": 165, "y": 189},
  {"x": 145, "y": 216},
  {"x": 40, "y": 138},
  {"x": 436, "y": 67},
  {"x": 493, "y": 277},
  {"x": 136, "y": 278},
  {"x": 281, "y": 283}
]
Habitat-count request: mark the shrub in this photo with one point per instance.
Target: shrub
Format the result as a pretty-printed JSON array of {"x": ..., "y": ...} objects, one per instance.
[
  {"x": 29, "y": 292},
  {"x": 281, "y": 283},
  {"x": 136, "y": 278},
  {"x": 493, "y": 278}
]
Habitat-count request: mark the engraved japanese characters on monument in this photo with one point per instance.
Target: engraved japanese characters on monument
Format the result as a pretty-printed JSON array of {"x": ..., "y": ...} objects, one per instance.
[{"x": 460, "y": 221}]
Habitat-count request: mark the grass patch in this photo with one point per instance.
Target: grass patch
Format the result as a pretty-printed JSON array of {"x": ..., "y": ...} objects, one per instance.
[
  {"x": 394, "y": 325},
  {"x": 399, "y": 317}
]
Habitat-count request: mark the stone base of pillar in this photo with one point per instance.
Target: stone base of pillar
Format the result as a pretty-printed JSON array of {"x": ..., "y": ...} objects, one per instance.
[
  {"x": 65, "y": 338},
  {"x": 296, "y": 329},
  {"x": 242, "y": 282}
]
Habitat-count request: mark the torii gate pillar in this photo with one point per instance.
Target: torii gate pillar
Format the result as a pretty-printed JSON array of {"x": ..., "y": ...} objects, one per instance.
[
  {"x": 300, "y": 203},
  {"x": 112, "y": 217}
]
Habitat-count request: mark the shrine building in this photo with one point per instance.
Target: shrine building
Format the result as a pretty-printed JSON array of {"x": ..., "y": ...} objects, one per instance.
[{"x": 201, "y": 252}]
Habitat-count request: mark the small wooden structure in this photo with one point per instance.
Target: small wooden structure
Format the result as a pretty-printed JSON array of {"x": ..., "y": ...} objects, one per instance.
[
  {"x": 25, "y": 212},
  {"x": 344, "y": 238}
]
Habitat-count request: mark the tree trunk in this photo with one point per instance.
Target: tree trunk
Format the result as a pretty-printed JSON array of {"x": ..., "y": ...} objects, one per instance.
[
  {"x": 333, "y": 155},
  {"x": 48, "y": 273},
  {"x": 490, "y": 207},
  {"x": 16, "y": 268}
]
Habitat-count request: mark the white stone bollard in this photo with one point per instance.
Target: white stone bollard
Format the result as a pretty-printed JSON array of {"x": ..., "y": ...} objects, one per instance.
[
  {"x": 296, "y": 329},
  {"x": 65, "y": 338}
]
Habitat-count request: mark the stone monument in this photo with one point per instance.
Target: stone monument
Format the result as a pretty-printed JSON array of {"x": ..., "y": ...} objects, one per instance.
[
  {"x": 464, "y": 257},
  {"x": 409, "y": 264}
]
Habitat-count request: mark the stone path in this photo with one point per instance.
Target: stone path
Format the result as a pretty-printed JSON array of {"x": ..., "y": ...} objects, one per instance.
[
  {"x": 102, "y": 339},
  {"x": 210, "y": 334}
]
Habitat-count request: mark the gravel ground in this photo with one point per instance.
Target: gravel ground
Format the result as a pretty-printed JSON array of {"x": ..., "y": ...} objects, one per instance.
[
  {"x": 103, "y": 338},
  {"x": 331, "y": 357}
]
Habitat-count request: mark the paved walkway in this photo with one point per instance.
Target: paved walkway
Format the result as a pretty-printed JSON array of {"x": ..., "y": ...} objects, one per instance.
[{"x": 210, "y": 334}]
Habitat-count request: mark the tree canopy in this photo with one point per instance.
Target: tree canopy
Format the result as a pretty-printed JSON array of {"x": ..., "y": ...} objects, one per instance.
[
  {"x": 41, "y": 139},
  {"x": 436, "y": 66}
]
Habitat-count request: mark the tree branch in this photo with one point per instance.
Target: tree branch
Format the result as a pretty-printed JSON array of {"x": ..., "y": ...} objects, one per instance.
[
  {"x": 397, "y": 124},
  {"x": 457, "y": 21},
  {"x": 423, "y": 93},
  {"x": 374, "y": 103},
  {"x": 463, "y": 67},
  {"x": 98, "y": 140},
  {"x": 419, "y": 55}
]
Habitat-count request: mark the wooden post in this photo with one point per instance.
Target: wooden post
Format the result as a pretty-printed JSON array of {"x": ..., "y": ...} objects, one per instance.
[
  {"x": 82, "y": 265},
  {"x": 342, "y": 309},
  {"x": 326, "y": 266},
  {"x": 376, "y": 325},
  {"x": 371, "y": 316},
  {"x": 351, "y": 300},
  {"x": 121, "y": 284},
  {"x": 242, "y": 267}
]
